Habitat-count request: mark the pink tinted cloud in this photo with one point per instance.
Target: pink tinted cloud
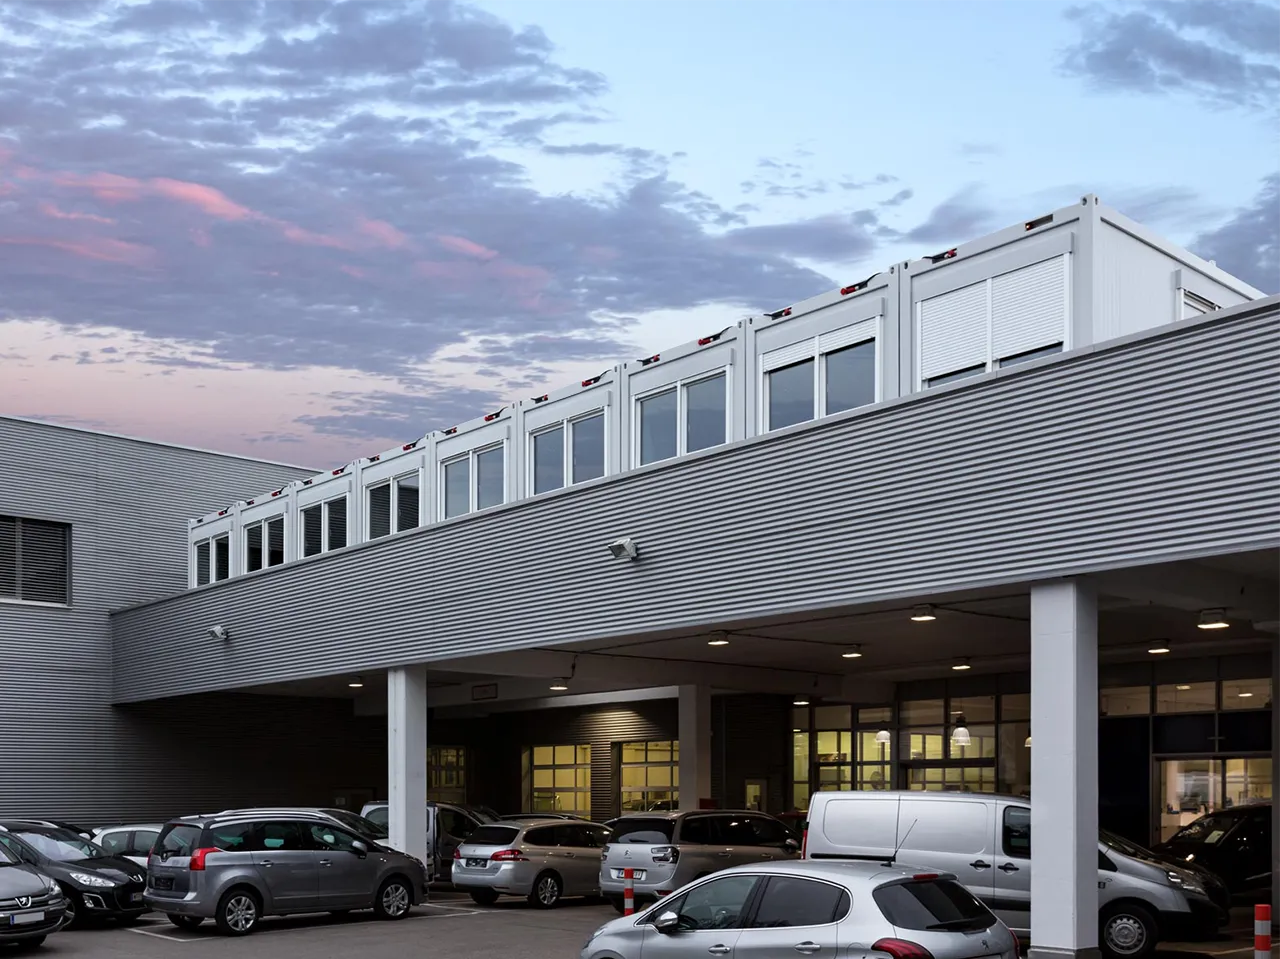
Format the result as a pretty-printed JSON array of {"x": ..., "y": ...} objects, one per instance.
[
  {"x": 383, "y": 233},
  {"x": 51, "y": 210},
  {"x": 355, "y": 271},
  {"x": 213, "y": 202},
  {"x": 466, "y": 247},
  {"x": 200, "y": 237},
  {"x": 91, "y": 247}
]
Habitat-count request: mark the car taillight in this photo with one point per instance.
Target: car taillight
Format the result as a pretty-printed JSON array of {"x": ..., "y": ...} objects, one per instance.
[
  {"x": 457, "y": 852},
  {"x": 902, "y": 949},
  {"x": 198, "y": 858},
  {"x": 508, "y": 855},
  {"x": 665, "y": 854}
]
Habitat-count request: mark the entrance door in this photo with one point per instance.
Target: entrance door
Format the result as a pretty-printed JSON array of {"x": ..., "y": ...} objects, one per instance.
[{"x": 757, "y": 790}]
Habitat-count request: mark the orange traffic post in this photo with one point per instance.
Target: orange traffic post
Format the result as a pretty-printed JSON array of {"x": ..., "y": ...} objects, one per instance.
[
  {"x": 1261, "y": 931},
  {"x": 628, "y": 892}
]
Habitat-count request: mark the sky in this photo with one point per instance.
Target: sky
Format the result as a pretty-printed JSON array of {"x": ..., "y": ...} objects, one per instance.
[{"x": 309, "y": 231}]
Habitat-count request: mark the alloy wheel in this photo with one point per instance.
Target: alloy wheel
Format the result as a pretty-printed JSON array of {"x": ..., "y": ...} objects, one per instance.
[
  {"x": 395, "y": 900},
  {"x": 241, "y": 913},
  {"x": 548, "y": 890}
]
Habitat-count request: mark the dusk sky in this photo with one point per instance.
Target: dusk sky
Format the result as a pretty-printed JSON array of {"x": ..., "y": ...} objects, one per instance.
[{"x": 309, "y": 231}]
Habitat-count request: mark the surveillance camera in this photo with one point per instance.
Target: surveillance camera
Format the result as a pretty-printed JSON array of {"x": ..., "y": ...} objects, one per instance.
[
  {"x": 220, "y": 633},
  {"x": 624, "y": 547}
]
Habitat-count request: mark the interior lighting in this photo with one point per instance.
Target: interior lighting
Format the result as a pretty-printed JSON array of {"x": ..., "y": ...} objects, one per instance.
[
  {"x": 800, "y": 701},
  {"x": 560, "y": 685},
  {"x": 883, "y": 735},
  {"x": 960, "y": 734},
  {"x": 1213, "y": 619},
  {"x": 1159, "y": 647},
  {"x": 923, "y": 614},
  {"x": 356, "y": 683},
  {"x": 961, "y": 664},
  {"x": 719, "y": 640},
  {"x": 853, "y": 652}
]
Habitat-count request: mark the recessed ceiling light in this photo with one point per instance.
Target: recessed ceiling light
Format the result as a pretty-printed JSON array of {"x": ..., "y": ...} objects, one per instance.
[
  {"x": 923, "y": 614},
  {"x": 797, "y": 730},
  {"x": 560, "y": 685},
  {"x": 853, "y": 652},
  {"x": 961, "y": 664},
  {"x": 718, "y": 641},
  {"x": 1213, "y": 619},
  {"x": 1245, "y": 695},
  {"x": 1182, "y": 689},
  {"x": 356, "y": 683},
  {"x": 800, "y": 701},
  {"x": 1158, "y": 647}
]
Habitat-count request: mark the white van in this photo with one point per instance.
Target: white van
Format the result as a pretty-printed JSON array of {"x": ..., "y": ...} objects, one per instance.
[{"x": 985, "y": 840}]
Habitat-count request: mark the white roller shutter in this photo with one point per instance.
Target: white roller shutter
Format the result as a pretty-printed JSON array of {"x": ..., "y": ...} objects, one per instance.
[
  {"x": 785, "y": 356},
  {"x": 1029, "y": 308},
  {"x": 847, "y": 336},
  {"x": 953, "y": 331}
]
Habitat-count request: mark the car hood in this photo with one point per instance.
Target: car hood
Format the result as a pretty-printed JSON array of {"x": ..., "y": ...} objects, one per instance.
[
  {"x": 20, "y": 880},
  {"x": 116, "y": 868}
]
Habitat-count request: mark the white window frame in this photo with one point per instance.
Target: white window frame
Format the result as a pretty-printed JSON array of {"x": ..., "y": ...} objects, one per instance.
[
  {"x": 682, "y": 412},
  {"x": 266, "y": 549},
  {"x": 323, "y": 506},
  {"x": 992, "y": 361},
  {"x": 213, "y": 557},
  {"x": 566, "y": 466},
  {"x": 473, "y": 477},
  {"x": 817, "y": 356},
  {"x": 393, "y": 519}
]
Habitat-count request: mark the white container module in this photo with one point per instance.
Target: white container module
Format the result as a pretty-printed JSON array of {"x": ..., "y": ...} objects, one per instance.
[
  {"x": 475, "y": 465},
  {"x": 327, "y": 512},
  {"x": 265, "y": 529},
  {"x": 396, "y": 490},
  {"x": 830, "y": 353},
  {"x": 209, "y": 547},
  {"x": 683, "y": 400},
  {"x": 569, "y": 436}
]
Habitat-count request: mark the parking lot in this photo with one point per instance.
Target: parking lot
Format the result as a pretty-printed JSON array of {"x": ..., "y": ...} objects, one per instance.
[{"x": 451, "y": 927}]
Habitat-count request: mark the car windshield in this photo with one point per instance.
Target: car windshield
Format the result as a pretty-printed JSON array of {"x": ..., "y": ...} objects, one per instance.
[
  {"x": 6, "y": 857},
  {"x": 642, "y": 829},
  {"x": 60, "y": 844},
  {"x": 1207, "y": 830},
  {"x": 357, "y": 824},
  {"x": 490, "y": 835},
  {"x": 379, "y": 815}
]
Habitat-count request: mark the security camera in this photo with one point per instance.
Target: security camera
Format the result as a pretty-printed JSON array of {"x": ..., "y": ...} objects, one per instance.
[
  {"x": 624, "y": 547},
  {"x": 219, "y": 633}
]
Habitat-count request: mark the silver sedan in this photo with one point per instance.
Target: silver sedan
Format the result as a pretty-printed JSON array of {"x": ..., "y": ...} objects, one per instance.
[{"x": 811, "y": 908}]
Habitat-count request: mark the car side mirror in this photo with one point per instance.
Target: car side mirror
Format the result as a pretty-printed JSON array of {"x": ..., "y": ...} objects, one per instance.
[
  {"x": 791, "y": 845},
  {"x": 360, "y": 849},
  {"x": 667, "y": 922}
]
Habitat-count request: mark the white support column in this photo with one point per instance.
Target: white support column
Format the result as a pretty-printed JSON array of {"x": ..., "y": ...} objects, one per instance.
[
  {"x": 1064, "y": 770},
  {"x": 407, "y": 760},
  {"x": 695, "y": 745}
]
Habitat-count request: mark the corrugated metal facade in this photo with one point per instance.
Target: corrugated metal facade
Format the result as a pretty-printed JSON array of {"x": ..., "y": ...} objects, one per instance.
[
  {"x": 1159, "y": 447},
  {"x": 65, "y": 749}
]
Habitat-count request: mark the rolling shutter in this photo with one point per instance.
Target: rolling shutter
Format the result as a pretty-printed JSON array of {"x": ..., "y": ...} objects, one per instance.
[
  {"x": 1029, "y": 308},
  {"x": 776, "y": 359},
  {"x": 953, "y": 331},
  {"x": 847, "y": 336}
]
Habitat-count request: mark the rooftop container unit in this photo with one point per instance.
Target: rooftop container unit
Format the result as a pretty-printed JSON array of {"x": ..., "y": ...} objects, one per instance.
[
  {"x": 832, "y": 352},
  {"x": 327, "y": 511},
  {"x": 569, "y": 436},
  {"x": 682, "y": 400},
  {"x": 395, "y": 490},
  {"x": 209, "y": 550},
  {"x": 475, "y": 465},
  {"x": 1068, "y": 279}
]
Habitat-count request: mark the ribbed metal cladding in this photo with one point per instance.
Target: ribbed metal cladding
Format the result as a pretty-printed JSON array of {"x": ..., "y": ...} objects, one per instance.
[
  {"x": 66, "y": 751},
  {"x": 1145, "y": 450}
]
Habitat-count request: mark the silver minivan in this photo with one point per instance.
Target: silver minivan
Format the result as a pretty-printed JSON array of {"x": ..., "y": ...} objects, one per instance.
[
  {"x": 542, "y": 860},
  {"x": 985, "y": 840},
  {"x": 237, "y": 868},
  {"x": 666, "y": 850}
]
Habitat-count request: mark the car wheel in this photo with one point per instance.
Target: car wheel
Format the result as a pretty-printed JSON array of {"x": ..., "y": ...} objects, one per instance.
[
  {"x": 185, "y": 922},
  {"x": 483, "y": 897},
  {"x": 239, "y": 912},
  {"x": 546, "y": 891},
  {"x": 30, "y": 945},
  {"x": 1128, "y": 932},
  {"x": 394, "y": 899},
  {"x": 71, "y": 909}
]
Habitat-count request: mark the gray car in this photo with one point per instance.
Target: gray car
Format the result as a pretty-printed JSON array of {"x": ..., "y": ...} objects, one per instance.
[
  {"x": 239, "y": 867},
  {"x": 31, "y": 904},
  {"x": 666, "y": 850},
  {"x": 811, "y": 909},
  {"x": 542, "y": 860}
]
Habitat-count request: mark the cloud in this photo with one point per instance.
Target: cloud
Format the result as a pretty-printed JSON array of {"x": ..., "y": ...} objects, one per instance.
[
  {"x": 956, "y": 219},
  {"x": 828, "y": 239},
  {"x": 1248, "y": 245}
]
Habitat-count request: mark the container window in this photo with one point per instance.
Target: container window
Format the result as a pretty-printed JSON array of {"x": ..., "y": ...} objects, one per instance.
[
  {"x": 1031, "y": 355},
  {"x": 275, "y": 541},
  {"x": 222, "y": 558},
  {"x": 312, "y": 530},
  {"x": 336, "y": 514},
  {"x": 548, "y": 460},
  {"x": 658, "y": 425},
  {"x": 457, "y": 487},
  {"x": 490, "y": 485},
  {"x": 380, "y": 511},
  {"x": 253, "y": 547},
  {"x": 956, "y": 376},
  {"x": 851, "y": 377},
  {"x": 705, "y": 413},
  {"x": 588, "y": 447},
  {"x": 202, "y": 563},
  {"x": 790, "y": 395},
  {"x": 407, "y": 505}
]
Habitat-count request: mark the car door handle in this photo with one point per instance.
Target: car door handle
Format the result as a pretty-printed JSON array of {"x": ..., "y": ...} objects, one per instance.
[
  {"x": 570, "y": 855},
  {"x": 326, "y": 862},
  {"x": 719, "y": 950},
  {"x": 723, "y": 855},
  {"x": 265, "y": 862},
  {"x": 1007, "y": 867},
  {"x": 808, "y": 948},
  {"x": 979, "y": 864}
]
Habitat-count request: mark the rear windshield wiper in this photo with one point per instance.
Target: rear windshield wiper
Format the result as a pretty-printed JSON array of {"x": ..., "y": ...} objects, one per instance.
[{"x": 959, "y": 924}]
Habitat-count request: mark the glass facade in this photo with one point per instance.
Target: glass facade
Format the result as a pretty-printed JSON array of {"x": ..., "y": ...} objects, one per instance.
[
  {"x": 650, "y": 775},
  {"x": 558, "y": 779}
]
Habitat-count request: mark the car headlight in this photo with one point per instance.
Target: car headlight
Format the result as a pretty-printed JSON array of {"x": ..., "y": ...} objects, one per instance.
[
  {"x": 1187, "y": 884},
  {"x": 55, "y": 891},
  {"x": 88, "y": 879}
]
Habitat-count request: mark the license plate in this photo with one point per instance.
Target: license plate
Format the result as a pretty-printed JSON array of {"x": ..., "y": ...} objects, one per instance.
[
  {"x": 162, "y": 882},
  {"x": 137, "y": 896},
  {"x": 26, "y": 918},
  {"x": 635, "y": 874},
  {"x": 477, "y": 863}
]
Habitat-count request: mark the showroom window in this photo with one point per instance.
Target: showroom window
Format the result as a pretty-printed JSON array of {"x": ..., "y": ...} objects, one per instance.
[
  {"x": 682, "y": 418},
  {"x": 1125, "y": 701},
  {"x": 324, "y": 526},
  {"x": 394, "y": 505},
  {"x": 949, "y": 744},
  {"x": 800, "y": 788},
  {"x": 572, "y": 448},
  {"x": 558, "y": 779},
  {"x": 35, "y": 561},
  {"x": 833, "y": 737},
  {"x": 650, "y": 775},
  {"x": 475, "y": 480},
  {"x": 820, "y": 376},
  {"x": 447, "y": 774},
  {"x": 264, "y": 544}
]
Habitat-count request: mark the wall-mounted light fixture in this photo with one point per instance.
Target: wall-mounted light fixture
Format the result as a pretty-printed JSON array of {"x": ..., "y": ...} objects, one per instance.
[
  {"x": 220, "y": 633},
  {"x": 624, "y": 548}
]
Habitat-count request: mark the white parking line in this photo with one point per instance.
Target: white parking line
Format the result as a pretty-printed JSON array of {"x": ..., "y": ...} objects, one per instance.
[
  {"x": 161, "y": 935},
  {"x": 454, "y": 912}
]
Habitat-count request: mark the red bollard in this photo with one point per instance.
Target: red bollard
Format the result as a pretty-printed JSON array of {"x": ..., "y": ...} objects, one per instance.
[
  {"x": 628, "y": 892},
  {"x": 1261, "y": 931}
]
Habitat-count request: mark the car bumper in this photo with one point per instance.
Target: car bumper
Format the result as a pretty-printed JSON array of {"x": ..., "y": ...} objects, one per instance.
[
  {"x": 512, "y": 879},
  {"x": 188, "y": 905},
  {"x": 51, "y": 920},
  {"x": 649, "y": 888},
  {"x": 1201, "y": 922},
  {"x": 123, "y": 901}
]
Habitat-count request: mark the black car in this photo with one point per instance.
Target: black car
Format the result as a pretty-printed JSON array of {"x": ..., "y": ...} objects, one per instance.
[
  {"x": 31, "y": 904},
  {"x": 1235, "y": 843},
  {"x": 94, "y": 882}
]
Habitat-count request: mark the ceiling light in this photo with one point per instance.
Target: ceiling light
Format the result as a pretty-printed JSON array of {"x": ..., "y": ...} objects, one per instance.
[
  {"x": 884, "y": 736},
  {"x": 1213, "y": 619},
  {"x": 560, "y": 685},
  {"x": 853, "y": 652},
  {"x": 960, "y": 734},
  {"x": 357, "y": 683},
  {"x": 1244, "y": 695},
  {"x": 961, "y": 664},
  {"x": 1158, "y": 647},
  {"x": 923, "y": 614},
  {"x": 1028, "y": 742},
  {"x": 624, "y": 547},
  {"x": 800, "y": 701},
  {"x": 1182, "y": 689},
  {"x": 797, "y": 730},
  {"x": 718, "y": 641}
]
